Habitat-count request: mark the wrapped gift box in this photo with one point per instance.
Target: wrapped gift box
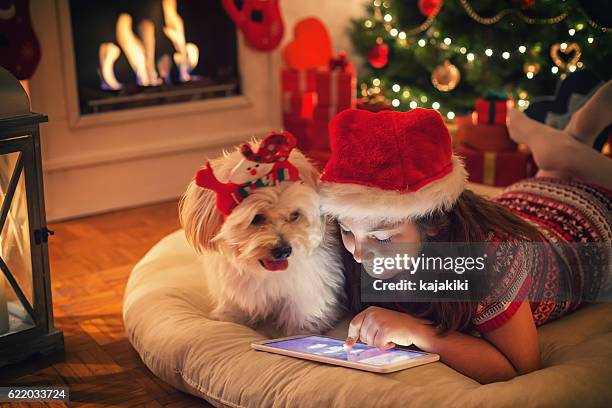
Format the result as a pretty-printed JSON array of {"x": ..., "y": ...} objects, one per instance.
[
  {"x": 318, "y": 139},
  {"x": 300, "y": 128},
  {"x": 298, "y": 82},
  {"x": 325, "y": 112},
  {"x": 478, "y": 136},
  {"x": 492, "y": 109},
  {"x": 299, "y": 105},
  {"x": 496, "y": 168},
  {"x": 337, "y": 86}
]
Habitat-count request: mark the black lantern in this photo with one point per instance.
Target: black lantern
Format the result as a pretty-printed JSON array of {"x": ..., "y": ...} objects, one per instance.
[{"x": 26, "y": 312}]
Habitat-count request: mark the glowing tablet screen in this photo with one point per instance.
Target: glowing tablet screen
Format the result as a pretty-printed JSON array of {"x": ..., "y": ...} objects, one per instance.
[{"x": 332, "y": 348}]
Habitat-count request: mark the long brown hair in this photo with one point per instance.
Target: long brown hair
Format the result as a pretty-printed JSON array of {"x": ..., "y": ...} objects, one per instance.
[{"x": 472, "y": 219}]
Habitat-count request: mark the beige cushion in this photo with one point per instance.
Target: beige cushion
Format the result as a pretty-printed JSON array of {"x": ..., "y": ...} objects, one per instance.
[{"x": 165, "y": 313}]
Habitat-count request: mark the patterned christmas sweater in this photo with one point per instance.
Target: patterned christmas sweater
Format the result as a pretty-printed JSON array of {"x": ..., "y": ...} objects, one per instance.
[{"x": 553, "y": 278}]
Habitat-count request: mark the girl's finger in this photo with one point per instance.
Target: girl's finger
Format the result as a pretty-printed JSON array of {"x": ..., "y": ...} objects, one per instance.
[
  {"x": 382, "y": 342},
  {"x": 368, "y": 329},
  {"x": 348, "y": 343},
  {"x": 354, "y": 329}
]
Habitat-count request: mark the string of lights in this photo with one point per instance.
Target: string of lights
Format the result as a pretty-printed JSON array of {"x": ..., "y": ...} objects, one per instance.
[{"x": 434, "y": 38}]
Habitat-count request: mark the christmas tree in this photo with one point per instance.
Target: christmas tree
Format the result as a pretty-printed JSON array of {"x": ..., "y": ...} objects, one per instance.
[{"x": 444, "y": 54}]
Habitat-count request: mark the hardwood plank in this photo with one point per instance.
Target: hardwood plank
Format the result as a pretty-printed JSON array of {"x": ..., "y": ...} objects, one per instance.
[{"x": 91, "y": 259}]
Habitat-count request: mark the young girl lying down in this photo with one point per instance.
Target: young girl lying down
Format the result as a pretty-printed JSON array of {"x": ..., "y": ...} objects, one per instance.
[{"x": 393, "y": 178}]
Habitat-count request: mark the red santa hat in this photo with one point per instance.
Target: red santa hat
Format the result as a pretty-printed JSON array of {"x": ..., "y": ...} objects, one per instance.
[{"x": 390, "y": 165}]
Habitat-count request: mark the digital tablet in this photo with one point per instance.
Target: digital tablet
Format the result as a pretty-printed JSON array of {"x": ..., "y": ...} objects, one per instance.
[{"x": 360, "y": 356}]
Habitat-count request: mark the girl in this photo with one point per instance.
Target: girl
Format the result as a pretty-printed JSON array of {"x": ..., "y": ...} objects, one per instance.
[{"x": 393, "y": 177}]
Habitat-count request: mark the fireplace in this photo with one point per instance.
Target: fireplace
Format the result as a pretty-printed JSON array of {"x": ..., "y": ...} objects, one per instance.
[
  {"x": 145, "y": 150},
  {"x": 145, "y": 53}
]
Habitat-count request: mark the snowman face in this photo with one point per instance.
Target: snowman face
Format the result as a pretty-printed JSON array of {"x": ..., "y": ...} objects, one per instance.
[{"x": 247, "y": 170}]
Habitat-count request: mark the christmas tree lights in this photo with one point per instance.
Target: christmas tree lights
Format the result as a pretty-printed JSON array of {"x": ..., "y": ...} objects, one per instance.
[{"x": 461, "y": 49}]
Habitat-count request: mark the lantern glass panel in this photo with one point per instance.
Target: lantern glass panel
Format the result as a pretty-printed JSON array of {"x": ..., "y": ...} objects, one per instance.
[{"x": 15, "y": 246}]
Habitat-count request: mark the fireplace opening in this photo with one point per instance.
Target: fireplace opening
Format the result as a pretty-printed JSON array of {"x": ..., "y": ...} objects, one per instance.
[{"x": 141, "y": 53}]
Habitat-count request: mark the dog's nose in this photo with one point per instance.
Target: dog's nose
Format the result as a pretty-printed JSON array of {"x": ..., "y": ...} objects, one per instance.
[{"x": 281, "y": 252}]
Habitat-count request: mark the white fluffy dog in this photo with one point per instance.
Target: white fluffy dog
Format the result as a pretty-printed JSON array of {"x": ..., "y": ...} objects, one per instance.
[{"x": 274, "y": 256}]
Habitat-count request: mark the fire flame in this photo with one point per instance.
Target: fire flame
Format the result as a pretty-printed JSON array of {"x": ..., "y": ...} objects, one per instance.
[
  {"x": 140, "y": 50},
  {"x": 146, "y": 29},
  {"x": 132, "y": 48},
  {"x": 187, "y": 54},
  {"x": 193, "y": 55},
  {"x": 108, "y": 54}
]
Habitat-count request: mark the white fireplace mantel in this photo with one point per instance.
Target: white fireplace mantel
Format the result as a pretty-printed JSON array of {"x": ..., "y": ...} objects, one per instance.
[{"x": 96, "y": 163}]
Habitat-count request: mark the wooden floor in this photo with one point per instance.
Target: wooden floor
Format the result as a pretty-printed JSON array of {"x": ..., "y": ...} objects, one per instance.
[{"x": 91, "y": 259}]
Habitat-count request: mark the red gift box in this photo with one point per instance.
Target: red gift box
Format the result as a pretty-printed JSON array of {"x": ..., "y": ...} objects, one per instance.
[
  {"x": 496, "y": 168},
  {"x": 298, "y": 82},
  {"x": 300, "y": 128},
  {"x": 337, "y": 85},
  {"x": 299, "y": 105},
  {"x": 478, "y": 136},
  {"x": 325, "y": 113},
  {"x": 318, "y": 139},
  {"x": 492, "y": 110}
]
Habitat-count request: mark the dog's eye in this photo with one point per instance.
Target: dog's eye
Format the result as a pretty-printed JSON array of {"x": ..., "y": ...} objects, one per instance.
[
  {"x": 294, "y": 216},
  {"x": 257, "y": 165},
  {"x": 258, "y": 219}
]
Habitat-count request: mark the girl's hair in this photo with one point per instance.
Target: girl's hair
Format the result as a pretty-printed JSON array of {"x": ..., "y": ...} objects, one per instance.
[{"x": 472, "y": 219}]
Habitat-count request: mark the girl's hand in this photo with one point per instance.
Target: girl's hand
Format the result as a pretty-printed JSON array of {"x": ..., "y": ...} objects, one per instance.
[{"x": 384, "y": 328}]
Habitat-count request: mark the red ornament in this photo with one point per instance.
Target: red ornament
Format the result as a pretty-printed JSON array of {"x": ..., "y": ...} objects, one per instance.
[
  {"x": 429, "y": 7},
  {"x": 524, "y": 4},
  {"x": 378, "y": 56}
]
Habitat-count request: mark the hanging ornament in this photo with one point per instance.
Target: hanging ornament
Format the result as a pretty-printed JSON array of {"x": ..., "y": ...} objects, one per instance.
[
  {"x": 524, "y": 4},
  {"x": 260, "y": 21},
  {"x": 532, "y": 67},
  {"x": 445, "y": 77},
  {"x": 567, "y": 49},
  {"x": 378, "y": 56},
  {"x": 429, "y": 7}
]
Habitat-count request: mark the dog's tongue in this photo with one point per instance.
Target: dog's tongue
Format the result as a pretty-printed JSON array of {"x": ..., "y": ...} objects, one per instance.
[{"x": 276, "y": 265}]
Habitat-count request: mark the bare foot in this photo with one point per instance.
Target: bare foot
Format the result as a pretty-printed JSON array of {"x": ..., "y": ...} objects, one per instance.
[
  {"x": 557, "y": 153},
  {"x": 544, "y": 141},
  {"x": 593, "y": 117}
]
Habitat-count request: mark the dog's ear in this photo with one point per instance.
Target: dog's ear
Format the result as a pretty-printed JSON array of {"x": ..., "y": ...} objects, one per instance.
[
  {"x": 308, "y": 172},
  {"x": 199, "y": 217}
]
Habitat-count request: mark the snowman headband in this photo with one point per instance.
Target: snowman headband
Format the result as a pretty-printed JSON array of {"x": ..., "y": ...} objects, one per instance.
[{"x": 273, "y": 149}]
